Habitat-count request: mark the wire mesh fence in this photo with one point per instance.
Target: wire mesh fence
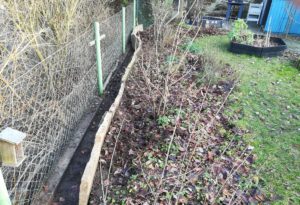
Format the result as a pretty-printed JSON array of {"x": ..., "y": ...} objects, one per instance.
[{"x": 46, "y": 99}]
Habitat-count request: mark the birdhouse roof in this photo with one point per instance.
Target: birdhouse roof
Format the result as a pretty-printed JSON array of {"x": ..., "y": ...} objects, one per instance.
[{"x": 12, "y": 136}]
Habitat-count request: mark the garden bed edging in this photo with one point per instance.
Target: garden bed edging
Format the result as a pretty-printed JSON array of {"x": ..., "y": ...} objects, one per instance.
[
  {"x": 91, "y": 167},
  {"x": 259, "y": 51}
]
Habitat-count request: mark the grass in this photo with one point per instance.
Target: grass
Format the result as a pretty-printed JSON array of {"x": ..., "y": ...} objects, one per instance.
[{"x": 267, "y": 103}]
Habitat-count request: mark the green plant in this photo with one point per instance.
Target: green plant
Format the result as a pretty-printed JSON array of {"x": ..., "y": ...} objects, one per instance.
[
  {"x": 184, "y": 25},
  {"x": 240, "y": 33},
  {"x": 163, "y": 121},
  {"x": 191, "y": 47},
  {"x": 174, "y": 149},
  {"x": 124, "y": 2},
  {"x": 171, "y": 59},
  {"x": 179, "y": 112}
]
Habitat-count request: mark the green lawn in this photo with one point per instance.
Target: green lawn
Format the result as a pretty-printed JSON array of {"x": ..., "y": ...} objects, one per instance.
[{"x": 267, "y": 102}]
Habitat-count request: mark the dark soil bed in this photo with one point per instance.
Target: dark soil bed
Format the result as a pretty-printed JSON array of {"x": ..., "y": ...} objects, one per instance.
[
  {"x": 67, "y": 193},
  {"x": 275, "y": 47},
  {"x": 169, "y": 141},
  {"x": 211, "y": 21}
]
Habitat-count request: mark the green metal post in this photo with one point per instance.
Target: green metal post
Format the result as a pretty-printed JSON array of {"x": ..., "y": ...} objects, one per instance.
[
  {"x": 134, "y": 13},
  {"x": 123, "y": 29},
  {"x": 98, "y": 57},
  {"x": 4, "y": 197}
]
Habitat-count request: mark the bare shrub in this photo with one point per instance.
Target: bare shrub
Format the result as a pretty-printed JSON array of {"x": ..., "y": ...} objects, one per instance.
[
  {"x": 213, "y": 71},
  {"x": 166, "y": 87},
  {"x": 161, "y": 82},
  {"x": 162, "y": 12},
  {"x": 168, "y": 36}
]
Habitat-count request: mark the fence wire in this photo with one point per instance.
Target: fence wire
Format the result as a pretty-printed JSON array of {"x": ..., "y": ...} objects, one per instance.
[{"x": 46, "y": 99}]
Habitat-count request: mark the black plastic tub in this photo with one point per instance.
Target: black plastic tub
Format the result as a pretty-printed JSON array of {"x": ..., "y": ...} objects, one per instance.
[
  {"x": 260, "y": 51},
  {"x": 211, "y": 21}
]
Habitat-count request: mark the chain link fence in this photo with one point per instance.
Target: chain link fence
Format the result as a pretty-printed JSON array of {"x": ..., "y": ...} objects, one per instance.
[{"x": 46, "y": 98}]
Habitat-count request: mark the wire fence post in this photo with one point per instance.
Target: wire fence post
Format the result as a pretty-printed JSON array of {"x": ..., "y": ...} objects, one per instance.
[
  {"x": 134, "y": 13},
  {"x": 98, "y": 57},
  {"x": 124, "y": 29},
  {"x": 4, "y": 197}
]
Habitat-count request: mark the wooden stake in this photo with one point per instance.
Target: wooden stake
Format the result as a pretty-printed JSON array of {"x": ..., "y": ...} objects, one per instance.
[
  {"x": 124, "y": 29},
  {"x": 98, "y": 57}
]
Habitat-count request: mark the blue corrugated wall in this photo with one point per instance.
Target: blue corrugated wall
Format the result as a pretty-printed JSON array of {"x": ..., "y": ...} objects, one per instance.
[
  {"x": 281, "y": 12},
  {"x": 295, "y": 28}
]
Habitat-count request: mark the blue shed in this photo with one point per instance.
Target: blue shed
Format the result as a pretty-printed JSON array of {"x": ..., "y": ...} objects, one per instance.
[{"x": 281, "y": 16}]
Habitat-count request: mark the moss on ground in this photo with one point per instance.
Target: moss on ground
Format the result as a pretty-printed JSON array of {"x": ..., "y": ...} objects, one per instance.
[{"x": 267, "y": 103}]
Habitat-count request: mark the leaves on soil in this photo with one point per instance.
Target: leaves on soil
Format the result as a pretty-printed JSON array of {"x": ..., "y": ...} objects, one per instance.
[{"x": 207, "y": 160}]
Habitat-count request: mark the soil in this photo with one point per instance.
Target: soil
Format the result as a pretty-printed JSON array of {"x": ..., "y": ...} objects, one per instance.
[
  {"x": 204, "y": 32},
  {"x": 261, "y": 42},
  {"x": 180, "y": 148},
  {"x": 292, "y": 57},
  {"x": 67, "y": 192}
]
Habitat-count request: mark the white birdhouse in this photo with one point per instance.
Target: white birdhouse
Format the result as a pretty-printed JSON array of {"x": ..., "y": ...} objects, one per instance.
[{"x": 11, "y": 147}]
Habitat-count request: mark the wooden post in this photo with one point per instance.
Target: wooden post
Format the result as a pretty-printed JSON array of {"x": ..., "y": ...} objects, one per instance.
[
  {"x": 98, "y": 57},
  {"x": 134, "y": 13},
  {"x": 124, "y": 29},
  {"x": 181, "y": 8}
]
